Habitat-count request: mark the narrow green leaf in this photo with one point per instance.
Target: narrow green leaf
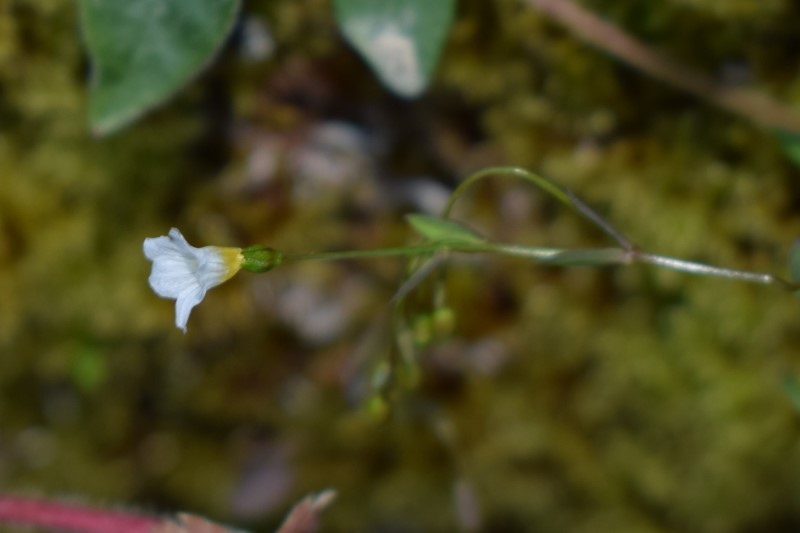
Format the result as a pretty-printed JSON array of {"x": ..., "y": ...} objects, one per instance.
[
  {"x": 143, "y": 51},
  {"x": 441, "y": 229},
  {"x": 794, "y": 262},
  {"x": 401, "y": 40}
]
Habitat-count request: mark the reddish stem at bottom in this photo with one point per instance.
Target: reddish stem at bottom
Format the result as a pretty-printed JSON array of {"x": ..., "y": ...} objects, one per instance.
[{"x": 77, "y": 518}]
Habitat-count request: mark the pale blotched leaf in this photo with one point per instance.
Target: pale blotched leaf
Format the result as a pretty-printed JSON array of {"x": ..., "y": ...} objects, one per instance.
[{"x": 400, "y": 39}]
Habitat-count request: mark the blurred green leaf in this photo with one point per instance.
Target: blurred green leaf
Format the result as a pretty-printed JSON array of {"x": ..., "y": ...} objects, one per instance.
[
  {"x": 89, "y": 369},
  {"x": 440, "y": 229},
  {"x": 790, "y": 142},
  {"x": 791, "y": 387},
  {"x": 143, "y": 51},
  {"x": 794, "y": 262},
  {"x": 400, "y": 39}
]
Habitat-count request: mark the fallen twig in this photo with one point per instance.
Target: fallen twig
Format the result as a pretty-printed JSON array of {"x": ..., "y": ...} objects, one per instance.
[{"x": 745, "y": 102}]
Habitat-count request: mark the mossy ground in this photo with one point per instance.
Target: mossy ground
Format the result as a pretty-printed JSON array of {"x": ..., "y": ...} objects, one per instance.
[{"x": 563, "y": 400}]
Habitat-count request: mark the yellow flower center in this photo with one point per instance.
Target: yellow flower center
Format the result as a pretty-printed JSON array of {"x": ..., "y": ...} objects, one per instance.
[{"x": 232, "y": 257}]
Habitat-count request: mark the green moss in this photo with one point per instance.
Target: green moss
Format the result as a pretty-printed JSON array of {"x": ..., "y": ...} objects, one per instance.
[{"x": 621, "y": 399}]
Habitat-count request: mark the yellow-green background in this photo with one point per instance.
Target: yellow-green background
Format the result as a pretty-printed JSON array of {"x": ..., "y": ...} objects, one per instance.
[{"x": 564, "y": 400}]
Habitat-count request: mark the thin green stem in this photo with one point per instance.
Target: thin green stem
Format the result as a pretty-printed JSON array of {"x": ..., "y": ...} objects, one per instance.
[
  {"x": 594, "y": 217},
  {"x": 546, "y": 255},
  {"x": 595, "y": 257},
  {"x": 521, "y": 173},
  {"x": 627, "y": 253},
  {"x": 691, "y": 267},
  {"x": 562, "y": 257},
  {"x": 405, "y": 251},
  {"x": 564, "y": 196}
]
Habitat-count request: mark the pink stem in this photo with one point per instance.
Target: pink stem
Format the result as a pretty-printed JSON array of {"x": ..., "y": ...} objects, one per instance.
[{"x": 63, "y": 517}]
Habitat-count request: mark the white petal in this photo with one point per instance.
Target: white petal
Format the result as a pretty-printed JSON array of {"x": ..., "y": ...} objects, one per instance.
[
  {"x": 170, "y": 277},
  {"x": 170, "y": 285},
  {"x": 155, "y": 246},
  {"x": 177, "y": 236},
  {"x": 185, "y": 303},
  {"x": 174, "y": 245}
]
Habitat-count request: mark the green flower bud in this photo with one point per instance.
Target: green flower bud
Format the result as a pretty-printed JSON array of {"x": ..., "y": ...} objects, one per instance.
[
  {"x": 444, "y": 321},
  {"x": 260, "y": 258},
  {"x": 378, "y": 408}
]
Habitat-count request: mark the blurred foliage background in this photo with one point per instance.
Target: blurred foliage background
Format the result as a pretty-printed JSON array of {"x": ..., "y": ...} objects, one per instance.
[{"x": 562, "y": 400}]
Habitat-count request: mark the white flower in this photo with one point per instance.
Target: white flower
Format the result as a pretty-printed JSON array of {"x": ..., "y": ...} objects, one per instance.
[{"x": 184, "y": 273}]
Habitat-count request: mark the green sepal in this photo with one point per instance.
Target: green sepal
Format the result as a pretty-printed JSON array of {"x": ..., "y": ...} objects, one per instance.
[
  {"x": 260, "y": 258},
  {"x": 442, "y": 229}
]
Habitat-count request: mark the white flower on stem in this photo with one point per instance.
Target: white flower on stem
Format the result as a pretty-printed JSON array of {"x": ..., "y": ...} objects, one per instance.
[{"x": 184, "y": 273}]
